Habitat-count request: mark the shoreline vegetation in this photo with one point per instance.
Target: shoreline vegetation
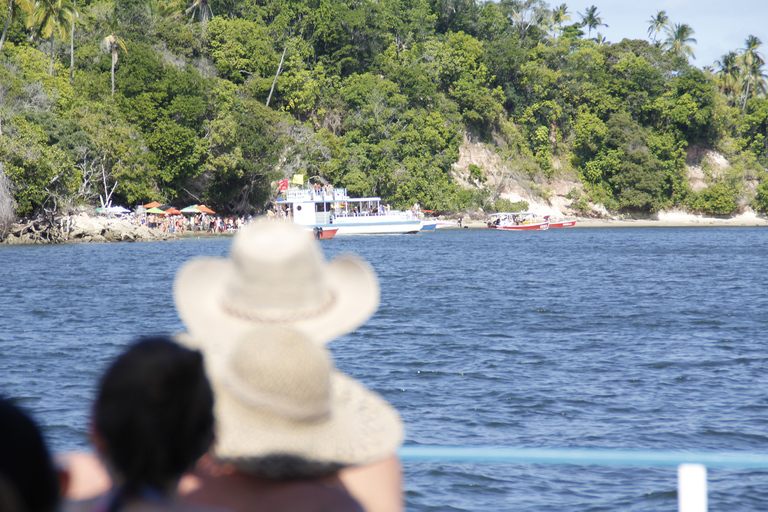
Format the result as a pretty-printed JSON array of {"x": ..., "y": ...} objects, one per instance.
[
  {"x": 474, "y": 109},
  {"x": 85, "y": 228}
]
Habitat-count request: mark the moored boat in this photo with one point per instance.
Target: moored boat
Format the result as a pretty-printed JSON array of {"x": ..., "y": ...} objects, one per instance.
[
  {"x": 518, "y": 221},
  {"x": 562, "y": 223},
  {"x": 324, "y": 233},
  {"x": 332, "y": 208},
  {"x": 428, "y": 225}
]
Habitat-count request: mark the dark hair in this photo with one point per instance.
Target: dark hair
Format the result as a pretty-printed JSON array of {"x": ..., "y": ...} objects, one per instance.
[
  {"x": 25, "y": 464},
  {"x": 154, "y": 411}
]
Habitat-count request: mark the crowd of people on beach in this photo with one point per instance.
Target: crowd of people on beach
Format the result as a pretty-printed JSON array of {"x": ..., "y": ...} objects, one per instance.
[
  {"x": 199, "y": 223},
  {"x": 243, "y": 411}
]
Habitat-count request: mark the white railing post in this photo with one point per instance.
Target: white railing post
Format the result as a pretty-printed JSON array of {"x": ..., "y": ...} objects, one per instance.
[{"x": 692, "y": 488}]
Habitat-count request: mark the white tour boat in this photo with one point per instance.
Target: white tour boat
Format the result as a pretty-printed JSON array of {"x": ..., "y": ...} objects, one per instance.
[{"x": 332, "y": 208}]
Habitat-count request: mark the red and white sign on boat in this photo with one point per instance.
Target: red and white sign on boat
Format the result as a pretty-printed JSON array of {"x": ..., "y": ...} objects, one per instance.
[{"x": 518, "y": 221}]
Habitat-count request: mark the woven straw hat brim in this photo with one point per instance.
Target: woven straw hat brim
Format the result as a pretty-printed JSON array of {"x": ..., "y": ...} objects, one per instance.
[
  {"x": 361, "y": 429},
  {"x": 199, "y": 290}
]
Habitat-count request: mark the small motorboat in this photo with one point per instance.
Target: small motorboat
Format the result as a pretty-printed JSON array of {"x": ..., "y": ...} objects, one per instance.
[{"x": 518, "y": 221}]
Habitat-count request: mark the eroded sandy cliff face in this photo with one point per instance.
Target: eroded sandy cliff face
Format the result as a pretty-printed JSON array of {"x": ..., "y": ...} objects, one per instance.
[
  {"x": 557, "y": 197},
  {"x": 546, "y": 197}
]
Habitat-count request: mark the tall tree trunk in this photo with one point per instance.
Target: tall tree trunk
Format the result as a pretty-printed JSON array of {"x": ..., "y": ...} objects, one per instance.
[
  {"x": 269, "y": 98},
  {"x": 114, "y": 55},
  {"x": 72, "y": 54},
  {"x": 72, "y": 50},
  {"x": 746, "y": 97},
  {"x": 50, "y": 71},
  {"x": 7, "y": 22}
]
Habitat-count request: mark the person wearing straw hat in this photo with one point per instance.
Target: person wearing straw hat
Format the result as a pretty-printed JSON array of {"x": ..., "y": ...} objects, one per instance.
[
  {"x": 286, "y": 423},
  {"x": 277, "y": 277},
  {"x": 273, "y": 295}
]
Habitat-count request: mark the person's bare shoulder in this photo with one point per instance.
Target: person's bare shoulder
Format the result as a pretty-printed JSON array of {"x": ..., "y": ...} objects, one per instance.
[
  {"x": 86, "y": 476},
  {"x": 377, "y": 486}
]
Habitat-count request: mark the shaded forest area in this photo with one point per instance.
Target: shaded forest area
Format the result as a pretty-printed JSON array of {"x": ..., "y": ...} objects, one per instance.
[{"x": 129, "y": 101}]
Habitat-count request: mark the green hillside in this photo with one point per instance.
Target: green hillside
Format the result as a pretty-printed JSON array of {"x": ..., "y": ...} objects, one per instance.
[{"x": 213, "y": 102}]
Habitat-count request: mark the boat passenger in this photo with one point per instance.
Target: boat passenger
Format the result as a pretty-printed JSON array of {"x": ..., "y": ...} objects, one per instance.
[
  {"x": 287, "y": 422},
  {"x": 152, "y": 420},
  {"x": 29, "y": 481},
  {"x": 277, "y": 276}
]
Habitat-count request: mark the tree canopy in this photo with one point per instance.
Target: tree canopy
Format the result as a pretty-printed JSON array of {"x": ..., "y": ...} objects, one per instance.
[{"x": 212, "y": 102}]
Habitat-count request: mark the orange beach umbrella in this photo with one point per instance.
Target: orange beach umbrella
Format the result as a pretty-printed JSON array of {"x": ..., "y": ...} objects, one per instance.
[
  {"x": 153, "y": 204},
  {"x": 204, "y": 209}
]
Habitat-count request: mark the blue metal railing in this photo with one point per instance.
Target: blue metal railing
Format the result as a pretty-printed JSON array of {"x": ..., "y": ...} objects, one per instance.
[
  {"x": 484, "y": 454},
  {"x": 692, "y": 472}
]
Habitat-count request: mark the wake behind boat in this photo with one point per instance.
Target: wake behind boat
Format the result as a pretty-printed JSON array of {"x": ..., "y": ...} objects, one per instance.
[
  {"x": 331, "y": 208},
  {"x": 518, "y": 221}
]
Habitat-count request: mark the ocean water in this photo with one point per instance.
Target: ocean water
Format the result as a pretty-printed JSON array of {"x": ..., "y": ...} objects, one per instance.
[{"x": 610, "y": 338}]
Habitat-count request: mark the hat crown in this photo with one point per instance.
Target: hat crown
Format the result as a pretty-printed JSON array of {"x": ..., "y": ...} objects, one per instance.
[
  {"x": 278, "y": 274},
  {"x": 282, "y": 373}
]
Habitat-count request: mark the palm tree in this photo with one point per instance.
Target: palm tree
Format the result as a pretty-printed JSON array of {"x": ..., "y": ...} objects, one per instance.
[
  {"x": 559, "y": 16},
  {"x": 752, "y": 63},
  {"x": 729, "y": 76},
  {"x": 111, "y": 43},
  {"x": 51, "y": 17},
  {"x": 591, "y": 18},
  {"x": 600, "y": 39},
  {"x": 679, "y": 40},
  {"x": 15, "y": 9},
  {"x": 657, "y": 24}
]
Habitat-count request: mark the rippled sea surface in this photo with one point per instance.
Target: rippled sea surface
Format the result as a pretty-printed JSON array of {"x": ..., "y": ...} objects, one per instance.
[{"x": 632, "y": 338}]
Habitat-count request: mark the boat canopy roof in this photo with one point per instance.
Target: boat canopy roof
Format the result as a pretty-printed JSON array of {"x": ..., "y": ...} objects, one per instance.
[{"x": 308, "y": 195}]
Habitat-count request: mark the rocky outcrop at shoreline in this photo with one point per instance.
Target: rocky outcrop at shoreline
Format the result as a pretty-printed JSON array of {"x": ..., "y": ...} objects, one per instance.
[{"x": 81, "y": 228}]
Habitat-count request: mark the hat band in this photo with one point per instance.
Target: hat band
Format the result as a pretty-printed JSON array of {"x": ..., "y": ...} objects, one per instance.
[
  {"x": 253, "y": 397},
  {"x": 277, "y": 316}
]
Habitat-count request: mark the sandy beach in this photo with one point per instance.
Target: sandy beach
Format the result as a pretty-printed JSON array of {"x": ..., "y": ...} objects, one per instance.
[{"x": 662, "y": 220}]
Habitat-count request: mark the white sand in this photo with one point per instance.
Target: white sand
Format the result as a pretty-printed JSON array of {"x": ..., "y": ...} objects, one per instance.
[{"x": 662, "y": 219}]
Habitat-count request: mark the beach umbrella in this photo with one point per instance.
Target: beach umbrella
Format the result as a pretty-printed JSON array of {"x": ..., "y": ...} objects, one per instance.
[
  {"x": 172, "y": 211},
  {"x": 153, "y": 204},
  {"x": 190, "y": 209},
  {"x": 155, "y": 210},
  {"x": 119, "y": 210},
  {"x": 204, "y": 209}
]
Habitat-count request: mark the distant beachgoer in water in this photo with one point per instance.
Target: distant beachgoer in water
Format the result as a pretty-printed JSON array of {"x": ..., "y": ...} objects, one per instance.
[
  {"x": 152, "y": 420},
  {"x": 28, "y": 480}
]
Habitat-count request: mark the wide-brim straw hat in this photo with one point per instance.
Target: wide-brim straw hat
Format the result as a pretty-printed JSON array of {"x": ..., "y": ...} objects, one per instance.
[
  {"x": 283, "y": 411},
  {"x": 275, "y": 274}
]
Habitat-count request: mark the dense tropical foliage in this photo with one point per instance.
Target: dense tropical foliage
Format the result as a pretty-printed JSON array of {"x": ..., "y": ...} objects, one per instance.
[{"x": 215, "y": 100}]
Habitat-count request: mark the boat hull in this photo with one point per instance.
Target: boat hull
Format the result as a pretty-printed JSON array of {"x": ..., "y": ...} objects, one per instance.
[
  {"x": 323, "y": 233},
  {"x": 376, "y": 228},
  {"x": 524, "y": 227},
  {"x": 563, "y": 224}
]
